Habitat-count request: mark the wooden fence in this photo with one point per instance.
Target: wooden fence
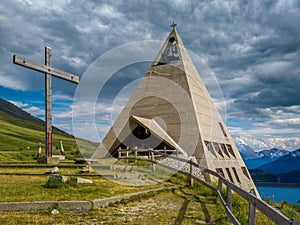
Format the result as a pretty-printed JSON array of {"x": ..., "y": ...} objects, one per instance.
[{"x": 254, "y": 202}]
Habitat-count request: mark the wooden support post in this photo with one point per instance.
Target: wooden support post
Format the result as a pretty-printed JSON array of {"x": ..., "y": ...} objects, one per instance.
[
  {"x": 251, "y": 216},
  {"x": 153, "y": 164},
  {"x": 165, "y": 148},
  {"x": 229, "y": 198},
  {"x": 127, "y": 156},
  {"x": 119, "y": 153},
  {"x": 135, "y": 157},
  {"x": 191, "y": 173}
]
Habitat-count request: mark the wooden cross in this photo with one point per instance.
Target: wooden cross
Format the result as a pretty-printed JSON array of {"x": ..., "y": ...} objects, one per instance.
[
  {"x": 174, "y": 25},
  {"x": 49, "y": 71}
]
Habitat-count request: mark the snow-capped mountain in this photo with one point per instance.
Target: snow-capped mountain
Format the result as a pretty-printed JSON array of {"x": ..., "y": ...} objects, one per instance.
[
  {"x": 272, "y": 153},
  {"x": 254, "y": 159},
  {"x": 246, "y": 151},
  {"x": 284, "y": 164}
]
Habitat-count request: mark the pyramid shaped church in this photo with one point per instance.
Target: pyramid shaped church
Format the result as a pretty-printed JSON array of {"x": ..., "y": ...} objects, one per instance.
[{"x": 172, "y": 109}]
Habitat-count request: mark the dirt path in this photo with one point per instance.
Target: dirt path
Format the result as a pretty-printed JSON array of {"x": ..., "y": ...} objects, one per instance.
[{"x": 177, "y": 207}]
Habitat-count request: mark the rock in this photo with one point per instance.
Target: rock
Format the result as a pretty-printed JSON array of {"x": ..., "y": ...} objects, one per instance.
[
  {"x": 54, "y": 212},
  {"x": 54, "y": 170},
  {"x": 56, "y": 180},
  {"x": 83, "y": 181},
  {"x": 87, "y": 169}
]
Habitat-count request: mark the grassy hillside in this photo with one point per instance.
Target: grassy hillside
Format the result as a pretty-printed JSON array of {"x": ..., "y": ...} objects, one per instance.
[
  {"x": 21, "y": 133},
  {"x": 290, "y": 177},
  {"x": 259, "y": 175}
]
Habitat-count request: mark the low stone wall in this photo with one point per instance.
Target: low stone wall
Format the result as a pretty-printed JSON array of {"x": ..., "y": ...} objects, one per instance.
[
  {"x": 76, "y": 205},
  {"x": 26, "y": 206}
]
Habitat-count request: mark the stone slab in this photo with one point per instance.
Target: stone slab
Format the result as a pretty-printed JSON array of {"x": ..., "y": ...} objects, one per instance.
[
  {"x": 49, "y": 160},
  {"x": 75, "y": 205},
  {"x": 26, "y": 206}
]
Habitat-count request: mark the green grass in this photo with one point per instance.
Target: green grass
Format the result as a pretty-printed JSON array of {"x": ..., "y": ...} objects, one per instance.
[
  {"x": 241, "y": 210},
  {"x": 184, "y": 205},
  {"x": 31, "y": 188},
  {"x": 19, "y": 140},
  {"x": 164, "y": 208},
  {"x": 181, "y": 206}
]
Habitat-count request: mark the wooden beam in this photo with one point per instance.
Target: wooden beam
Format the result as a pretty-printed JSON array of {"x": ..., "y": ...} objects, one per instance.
[
  {"x": 21, "y": 61},
  {"x": 251, "y": 216},
  {"x": 229, "y": 197},
  {"x": 48, "y": 102}
]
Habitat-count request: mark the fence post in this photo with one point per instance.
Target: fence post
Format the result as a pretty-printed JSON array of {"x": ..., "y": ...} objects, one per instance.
[
  {"x": 251, "y": 216},
  {"x": 220, "y": 188},
  {"x": 191, "y": 173},
  {"x": 229, "y": 198},
  {"x": 119, "y": 153},
  {"x": 153, "y": 165},
  {"x": 135, "y": 157}
]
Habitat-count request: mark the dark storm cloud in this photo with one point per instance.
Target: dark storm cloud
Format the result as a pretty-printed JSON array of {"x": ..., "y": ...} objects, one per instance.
[{"x": 252, "y": 47}]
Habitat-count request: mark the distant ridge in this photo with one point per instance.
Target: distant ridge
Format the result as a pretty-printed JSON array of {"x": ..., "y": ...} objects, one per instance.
[
  {"x": 275, "y": 166},
  {"x": 290, "y": 177},
  {"x": 284, "y": 164},
  {"x": 272, "y": 153},
  {"x": 21, "y": 134},
  {"x": 14, "y": 111}
]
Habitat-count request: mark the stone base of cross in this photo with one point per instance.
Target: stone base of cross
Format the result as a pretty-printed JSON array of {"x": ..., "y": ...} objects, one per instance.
[
  {"x": 48, "y": 160},
  {"x": 49, "y": 72}
]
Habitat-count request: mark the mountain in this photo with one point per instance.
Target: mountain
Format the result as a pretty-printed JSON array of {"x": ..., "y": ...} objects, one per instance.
[
  {"x": 15, "y": 115},
  {"x": 255, "y": 159},
  {"x": 21, "y": 133},
  {"x": 245, "y": 150},
  {"x": 290, "y": 177},
  {"x": 251, "y": 158},
  {"x": 284, "y": 164},
  {"x": 264, "y": 157},
  {"x": 254, "y": 163},
  {"x": 273, "y": 165},
  {"x": 272, "y": 153}
]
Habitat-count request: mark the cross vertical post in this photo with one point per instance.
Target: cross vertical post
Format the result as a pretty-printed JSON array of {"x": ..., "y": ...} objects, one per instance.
[{"x": 48, "y": 102}]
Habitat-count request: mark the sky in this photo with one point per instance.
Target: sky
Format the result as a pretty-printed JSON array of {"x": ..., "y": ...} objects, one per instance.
[{"x": 250, "y": 54}]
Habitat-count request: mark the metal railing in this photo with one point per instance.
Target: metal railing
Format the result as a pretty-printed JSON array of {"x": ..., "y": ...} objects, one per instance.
[{"x": 254, "y": 202}]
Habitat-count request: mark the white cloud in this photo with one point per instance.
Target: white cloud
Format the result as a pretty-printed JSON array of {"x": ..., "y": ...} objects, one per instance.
[
  {"x": 253, "y": 54},
  {"x": 19, "y": 104},
  {"x": 11, "y": 82},
  {"x": 268, "y": 142},
  {"x": 35, "y": 111},
  {"x": 57, "y": 97},
  {"x": 108, "y": 11},
  {"x": 287, "y": 122}
]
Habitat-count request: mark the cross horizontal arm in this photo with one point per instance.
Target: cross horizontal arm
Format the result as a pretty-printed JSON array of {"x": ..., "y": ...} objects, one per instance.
[{"x": 19, "y": 60}]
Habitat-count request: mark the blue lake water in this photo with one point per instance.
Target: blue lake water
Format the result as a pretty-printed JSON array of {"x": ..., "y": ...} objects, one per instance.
[{"x": 291, "y": 195}]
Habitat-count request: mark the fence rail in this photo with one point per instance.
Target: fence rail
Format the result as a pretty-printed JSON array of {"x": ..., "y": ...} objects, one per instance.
[{"x": 254, "y": 202}]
